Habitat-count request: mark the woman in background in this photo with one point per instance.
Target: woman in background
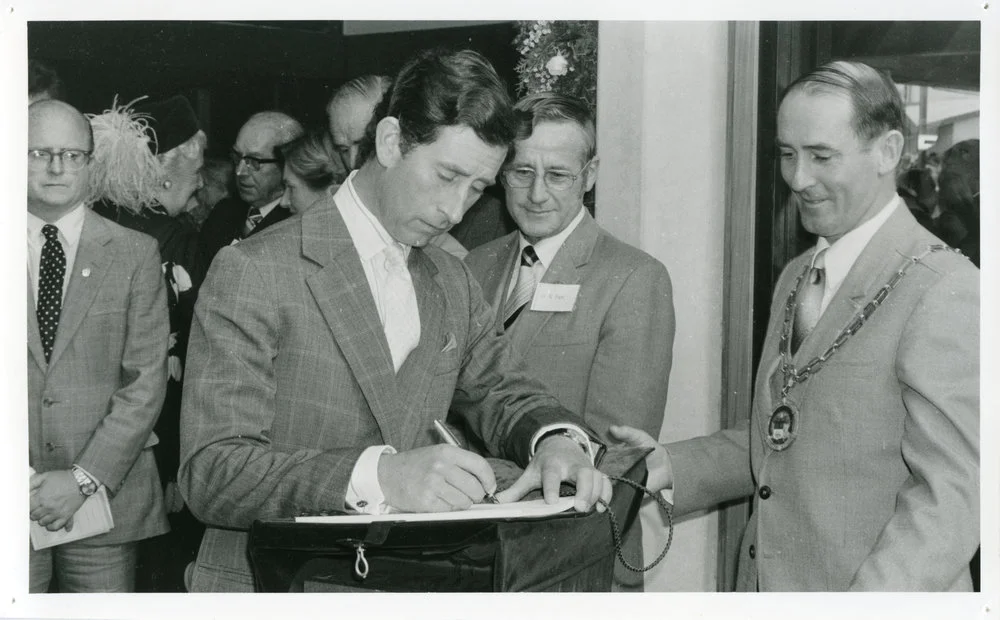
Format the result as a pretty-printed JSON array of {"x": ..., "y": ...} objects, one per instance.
[{"x": 312, "y": 171}]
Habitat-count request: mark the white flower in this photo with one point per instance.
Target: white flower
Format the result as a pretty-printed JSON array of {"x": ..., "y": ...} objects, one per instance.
[
  {"x": 182, "y": 278},
  {"x": 174, "y": 369},
  {"x": 557, "y": 65}
]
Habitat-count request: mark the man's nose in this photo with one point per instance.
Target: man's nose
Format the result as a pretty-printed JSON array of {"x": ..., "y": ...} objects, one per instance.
[
  {"x": 798, "y": 175},
  {"x": 56, "y": 164},
  {"x": 242, "y": 168},
  {"x": 538, "y": 190},
  {"x": 454, "y": 209}
]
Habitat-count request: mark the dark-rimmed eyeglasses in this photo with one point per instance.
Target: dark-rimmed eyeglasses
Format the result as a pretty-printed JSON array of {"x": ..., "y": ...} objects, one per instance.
[
  {"x": 254, "y": 163},
  {"x": 71, "y": 159},
  {"x": 556, "y": 180}
]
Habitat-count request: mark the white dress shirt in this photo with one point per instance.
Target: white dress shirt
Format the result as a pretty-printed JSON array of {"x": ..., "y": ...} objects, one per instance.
[{"x": 70, "y": 227}]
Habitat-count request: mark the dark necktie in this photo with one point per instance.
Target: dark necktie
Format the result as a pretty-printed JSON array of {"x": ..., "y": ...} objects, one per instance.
[
  {"x": 807, "y": 310},
  {"x": 254, "y": 217},
  {"x": 50, "y": 288},
  {"x": 524, "y": 290}
]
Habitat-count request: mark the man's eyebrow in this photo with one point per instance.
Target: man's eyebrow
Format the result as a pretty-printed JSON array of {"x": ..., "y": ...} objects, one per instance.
[{"x": 820, "y": 146}]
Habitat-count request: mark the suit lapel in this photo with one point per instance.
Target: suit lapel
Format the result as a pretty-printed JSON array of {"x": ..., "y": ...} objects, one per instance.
[
  {"x": 341, "y": 291},
  {"x": 415, "y": 374},
  {"x": 574, "y": 253},
  {"x": 34, "y": 338},
  {"x": 94, "y": 256}
]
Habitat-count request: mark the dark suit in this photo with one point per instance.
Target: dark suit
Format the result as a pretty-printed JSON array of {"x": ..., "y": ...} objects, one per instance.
[
  {"x": 96, "y": 401},
  {"x": 880, "y": 491},
  {"x": 290, "y": 378},
  {"x": 610, "y": 357},
  {"x": 225, "y": 225}
]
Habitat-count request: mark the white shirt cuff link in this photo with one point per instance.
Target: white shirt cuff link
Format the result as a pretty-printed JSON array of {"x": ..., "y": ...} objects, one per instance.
[{"x": 364, "y": 493}]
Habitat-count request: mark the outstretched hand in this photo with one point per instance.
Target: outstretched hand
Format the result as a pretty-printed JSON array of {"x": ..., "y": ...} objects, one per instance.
[
  {"x": 661, "y": 476},
  {"x": 437, "y": 478},
  {"x": 558, "y": 459}
]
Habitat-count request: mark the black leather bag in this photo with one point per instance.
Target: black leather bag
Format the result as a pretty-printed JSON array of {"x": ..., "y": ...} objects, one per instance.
[{"x": 566, "y": 552}]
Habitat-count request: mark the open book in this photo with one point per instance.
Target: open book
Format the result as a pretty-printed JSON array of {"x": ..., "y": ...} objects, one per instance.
[
  {"x": 515, "y": 510},
  {"x": 91, "y": 519}
]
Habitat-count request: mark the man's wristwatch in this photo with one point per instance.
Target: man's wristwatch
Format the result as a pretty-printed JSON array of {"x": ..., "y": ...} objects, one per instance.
[
  {"x": 568, "y": 434},
  {"x": 87, "y": 485}
]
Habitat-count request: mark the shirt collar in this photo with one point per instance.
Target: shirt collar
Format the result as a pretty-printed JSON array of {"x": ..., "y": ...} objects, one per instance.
[
  {"x": 70, "y": 225},
  {"x": 547, "y": 248},
  {"x": 842, "y": 254},
  {"x": 369, "y": 236},
  {"x": 269, "y": 207}
]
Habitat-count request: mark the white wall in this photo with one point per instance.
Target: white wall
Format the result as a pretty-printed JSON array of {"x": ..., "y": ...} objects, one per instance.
[{"x": 661, "y": 138}]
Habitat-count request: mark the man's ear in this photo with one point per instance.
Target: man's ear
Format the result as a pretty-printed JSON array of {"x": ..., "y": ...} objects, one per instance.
[
  {"x": 890, "y": 150},
  {"x": 388, "y": 142},
  {"x": 590, "y": 174}
]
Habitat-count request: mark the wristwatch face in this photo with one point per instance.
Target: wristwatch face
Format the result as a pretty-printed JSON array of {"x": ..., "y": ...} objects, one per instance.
[{"x": 88, "y": 489}]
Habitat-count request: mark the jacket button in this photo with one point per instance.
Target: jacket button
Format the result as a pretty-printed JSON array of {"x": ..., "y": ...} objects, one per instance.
[
  {"x": 753, "y": 552},
  {"x": 49, "y": 446},
  {"x": 48, "y": 402},
  {"x": 764, "y": 492}
]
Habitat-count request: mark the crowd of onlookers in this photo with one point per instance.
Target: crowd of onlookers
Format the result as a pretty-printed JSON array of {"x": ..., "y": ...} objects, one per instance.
[{"x": 942, "y": 192}]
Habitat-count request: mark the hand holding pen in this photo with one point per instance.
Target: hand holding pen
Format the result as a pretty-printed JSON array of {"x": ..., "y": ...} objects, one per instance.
[{"x": 450, "y": 439}]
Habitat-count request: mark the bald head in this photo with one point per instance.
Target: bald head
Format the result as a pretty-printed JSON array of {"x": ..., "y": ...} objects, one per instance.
[
  {"x": 257, "y": 140},
  {"x": 59, "y": 145},
  {"x": 349, "y": 112}
]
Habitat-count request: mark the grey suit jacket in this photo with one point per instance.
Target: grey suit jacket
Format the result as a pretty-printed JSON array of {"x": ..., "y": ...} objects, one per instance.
[
  {"x": 290, "y": 378},
  {"x": 880, "y": 491},
  {"x": 96, "y": 401},
  {"x": 609, "y": 358}
]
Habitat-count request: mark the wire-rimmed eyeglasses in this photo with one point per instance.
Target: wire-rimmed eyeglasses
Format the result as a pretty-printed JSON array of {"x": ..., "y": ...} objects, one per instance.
[
  {"x": 556, "y": 180},
  {"x": 71, "y": 159}
]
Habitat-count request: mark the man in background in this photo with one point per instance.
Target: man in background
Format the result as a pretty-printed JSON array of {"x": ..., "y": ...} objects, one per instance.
[
  {"x": 863, "y": 440},
  {"x": 592, "y": 317},
  {"x": 97, "y": 364},
  {"x": 258, "y": 183}
]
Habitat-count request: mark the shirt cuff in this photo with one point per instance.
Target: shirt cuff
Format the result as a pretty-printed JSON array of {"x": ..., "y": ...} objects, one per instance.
[
  {"x": 364, "y": 493},
  {"x": 578, "y": 434}
]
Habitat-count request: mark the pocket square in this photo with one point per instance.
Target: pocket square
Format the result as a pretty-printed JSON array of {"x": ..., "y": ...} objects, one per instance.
[{"x": 449, "y": 343}]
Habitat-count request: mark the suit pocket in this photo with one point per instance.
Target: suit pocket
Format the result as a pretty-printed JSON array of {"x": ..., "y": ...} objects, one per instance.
[{"x": 447, "y": 363}]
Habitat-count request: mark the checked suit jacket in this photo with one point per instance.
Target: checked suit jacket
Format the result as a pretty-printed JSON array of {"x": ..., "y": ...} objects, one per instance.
[
  {"x": 290, "y": 378},
  {"x": 609, "y": 358},
  {"x": 96, "y": 401},
  {"x": 880, "y": 490}
]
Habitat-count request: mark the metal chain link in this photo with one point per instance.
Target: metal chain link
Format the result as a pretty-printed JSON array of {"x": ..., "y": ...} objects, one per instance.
[{"x": 792, "y": 376}]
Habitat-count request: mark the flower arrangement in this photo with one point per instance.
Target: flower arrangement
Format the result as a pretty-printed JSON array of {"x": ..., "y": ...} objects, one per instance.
[{"x": 560, "y": 56}]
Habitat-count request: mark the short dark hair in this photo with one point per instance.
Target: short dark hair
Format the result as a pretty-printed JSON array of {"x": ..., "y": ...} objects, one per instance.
[
  {"x": 878, "y": 108},
  {"x": 311, "y": 158},
  {"x": 441, "y": 88},
  {"x": 958, "y": 183},
  {"x": 553, "y": 107},
  {"x": 44, "y": 79}
]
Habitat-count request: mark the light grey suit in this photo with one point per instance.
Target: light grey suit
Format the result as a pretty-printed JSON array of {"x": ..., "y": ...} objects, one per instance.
[
  {"x": 880, "y": 491},
  {"x": 96, "y": 401},
  {"x": 290, "y": 379},
  {"x": 610, "y": 357}
]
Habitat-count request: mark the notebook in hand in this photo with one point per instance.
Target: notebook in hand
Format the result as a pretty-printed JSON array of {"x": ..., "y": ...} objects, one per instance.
[{"x": 92, "y": 518}]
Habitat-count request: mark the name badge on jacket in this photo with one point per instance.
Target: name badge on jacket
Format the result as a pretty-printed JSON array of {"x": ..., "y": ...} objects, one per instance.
[{"x": 555, "y": 297}]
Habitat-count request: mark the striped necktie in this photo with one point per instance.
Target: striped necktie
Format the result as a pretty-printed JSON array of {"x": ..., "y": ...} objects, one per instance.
[
  {"x": 50, "y": 288},
  {"x": 254, "y": 217},
  {"x": 524, "y": 290}
]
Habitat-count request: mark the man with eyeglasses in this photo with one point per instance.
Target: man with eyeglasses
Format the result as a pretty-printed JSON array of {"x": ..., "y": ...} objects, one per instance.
[
  {"x": 257, "y": 165},
  {"x": 97, "y": 364},
  {"x": 592, "y": 317}
]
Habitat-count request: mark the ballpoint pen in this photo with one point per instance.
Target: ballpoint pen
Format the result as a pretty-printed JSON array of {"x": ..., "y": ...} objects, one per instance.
[{"x": 451, "y": 440}]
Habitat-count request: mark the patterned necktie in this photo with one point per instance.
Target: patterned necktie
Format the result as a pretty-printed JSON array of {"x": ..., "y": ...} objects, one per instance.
[
  {"x": 807, "y": 310},
  {"x": 524, "y": 290},
  {"x": 50, "y": 288},
  {"x": 254, "y": 217},
  {"x": 401, "y": 324}
]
